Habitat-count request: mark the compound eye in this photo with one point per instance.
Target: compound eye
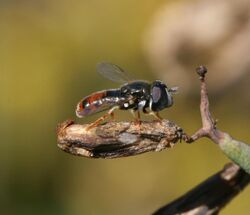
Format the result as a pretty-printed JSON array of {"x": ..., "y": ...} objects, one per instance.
[{"x": 156, "y": 94}]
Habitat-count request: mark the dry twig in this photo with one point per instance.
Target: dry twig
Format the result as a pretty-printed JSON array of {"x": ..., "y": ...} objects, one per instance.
[
  {"x": 117, "y": 139},
  {"x": 237, "y": 151}
]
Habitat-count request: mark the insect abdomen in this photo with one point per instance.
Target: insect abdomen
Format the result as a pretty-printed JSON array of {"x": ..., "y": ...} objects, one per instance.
[{"x": 97, "y": 102}]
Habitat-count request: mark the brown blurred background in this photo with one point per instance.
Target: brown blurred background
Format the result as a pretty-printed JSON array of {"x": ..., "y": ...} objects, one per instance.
[{"x": 48, "y": 53}]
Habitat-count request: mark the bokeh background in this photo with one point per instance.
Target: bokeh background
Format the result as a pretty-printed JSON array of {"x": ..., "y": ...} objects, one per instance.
[{"x": 48, "y": 53}]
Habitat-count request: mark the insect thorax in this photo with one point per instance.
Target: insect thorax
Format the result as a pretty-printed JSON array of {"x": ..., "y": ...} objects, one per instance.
[{"x": 136, "y": 94}]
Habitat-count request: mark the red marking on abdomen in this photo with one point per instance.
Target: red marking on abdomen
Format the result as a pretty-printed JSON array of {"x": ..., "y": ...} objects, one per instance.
[{"x": 96, "y": 96}]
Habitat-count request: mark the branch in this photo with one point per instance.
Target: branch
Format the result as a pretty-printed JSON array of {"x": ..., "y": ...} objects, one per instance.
[
  {"x": 117, "y": 139},
  {"x": 237, "y": 151},
  {"x": 210, "y": 196}
]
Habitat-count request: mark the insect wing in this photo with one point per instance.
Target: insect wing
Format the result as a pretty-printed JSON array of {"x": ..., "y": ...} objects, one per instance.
[{"x": 113, "y": 72}]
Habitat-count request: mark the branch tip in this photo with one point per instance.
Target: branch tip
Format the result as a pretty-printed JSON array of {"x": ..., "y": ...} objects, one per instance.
[{"x": 201, "y": 71}]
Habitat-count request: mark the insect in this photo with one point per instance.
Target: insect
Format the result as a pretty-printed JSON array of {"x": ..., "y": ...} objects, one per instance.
[{"x": 134, "y": 95}]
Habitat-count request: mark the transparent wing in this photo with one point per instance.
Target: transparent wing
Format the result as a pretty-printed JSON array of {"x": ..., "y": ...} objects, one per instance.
[{"x": 113, "y": 72}]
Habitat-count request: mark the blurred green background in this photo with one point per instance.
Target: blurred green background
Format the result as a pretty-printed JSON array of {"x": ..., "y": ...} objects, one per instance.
[{"x": 48, "y": 53}]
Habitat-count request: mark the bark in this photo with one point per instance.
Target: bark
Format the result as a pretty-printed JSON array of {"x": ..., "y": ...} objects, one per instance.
[{"x": 117, "y": 139}]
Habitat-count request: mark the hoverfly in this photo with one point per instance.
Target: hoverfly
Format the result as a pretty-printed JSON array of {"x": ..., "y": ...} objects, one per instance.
[{"x": 134, "y": 95}]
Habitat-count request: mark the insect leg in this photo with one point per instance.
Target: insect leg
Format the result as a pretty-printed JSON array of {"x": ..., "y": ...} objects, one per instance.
[
  {"x": 139, "y": 116},
  {"x": 157, "y": 116},
  {"x": 101, "y": 119},
  {"x": 145, "y": 111},
  {"x": 112, "y": 116},
  {"x": 136, "y": 116}
]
